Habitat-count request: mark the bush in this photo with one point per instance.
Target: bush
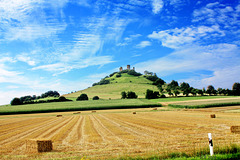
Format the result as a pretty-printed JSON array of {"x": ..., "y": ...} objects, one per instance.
[
  {"x": 124, "y": 95},
  {"x": 131, "y": 95},
  {"x": 16, "y": 101},
  {"x": 151, "y": 95},
  {"x": 118, "y": 75},
  {"x": 82, "y": 97},
  {"x": 62, "y": 99},
  {"x": 95, "y": 98},
  {"x": 162, "y": 96}
]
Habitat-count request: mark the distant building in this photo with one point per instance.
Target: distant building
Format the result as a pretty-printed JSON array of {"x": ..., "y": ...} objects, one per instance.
[
  {"x": 128, "y": 68},
  {"x": 120, "y": 69}
]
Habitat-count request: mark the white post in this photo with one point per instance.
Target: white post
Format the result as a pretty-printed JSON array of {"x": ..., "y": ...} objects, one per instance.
[{"x": 210, "y": 143}]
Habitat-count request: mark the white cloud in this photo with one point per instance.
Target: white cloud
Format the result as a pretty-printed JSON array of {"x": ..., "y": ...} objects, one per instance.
[
  {"x": 217, "y": 58},
  {"x": 157, "y": 6},
  {"x": 26, "y": 19},
  {"x": 129, "y": 39},
  {"x": 59, "y": 68},
  {"x": 176, "y": 38},
  {"x": 144, "y": 44},
  {"x": 222, "y": 78},
  {"x": 25, "y": 58},
  {"x": 216, "y": 13}
]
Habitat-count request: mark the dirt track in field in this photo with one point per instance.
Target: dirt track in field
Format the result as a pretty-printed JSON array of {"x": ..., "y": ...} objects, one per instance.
[{"x": 116, "y": 133}]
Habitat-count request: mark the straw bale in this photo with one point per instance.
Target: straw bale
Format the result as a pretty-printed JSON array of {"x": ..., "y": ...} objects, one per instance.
[
  {"x": 235, "y": 129},
  {"x": 77, "y": 113},
  {"x": 94, "y": 111},
  {"x": 213, "y": 116},
  {"x": 59, "y": 115},
  {"x": 34, "y": 145},
  {"x": 154, "y": 108},
  {"x": 134, "y": 113}
]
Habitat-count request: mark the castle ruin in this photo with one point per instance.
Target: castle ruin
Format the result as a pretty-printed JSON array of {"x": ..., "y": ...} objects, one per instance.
[{"x": 128, "y": 68}]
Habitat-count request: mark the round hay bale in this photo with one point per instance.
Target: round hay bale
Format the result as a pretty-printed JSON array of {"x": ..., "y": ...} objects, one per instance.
[
  {"x": 213, "y": 116},
  {"x": 59, "y": 116},
  {"x": 134, "y": 113},
  {"x": 94, "y": 111},
  {"x": 154, "y": 108}
]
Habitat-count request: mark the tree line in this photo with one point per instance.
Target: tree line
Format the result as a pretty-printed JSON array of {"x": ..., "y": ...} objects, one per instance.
[{"x": 33, "y": 99}]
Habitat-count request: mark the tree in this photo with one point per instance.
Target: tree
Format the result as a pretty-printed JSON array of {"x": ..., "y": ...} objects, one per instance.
[
  {"x": 82, "y": 97},
  {"x": 160, "y": 88},
  {"x": 186, "y": 92},
  {"x": 151, "y": 95},
  {"x": 236, "y": 89},
  {"x": 193, "y": 91},
  {"x": 184, "y": 86},
  {"x": 62, "y": 99},
  {"x": 199, "y": 91},
  {"x": 176, "y": 92},
  {"x": 95, "y": 98},
  {"x": 16, "y": 101},
  {"x": 204, "y": 90},
  {"x": 219, "y": 91},
  {"x": 131, "y": 95},
  {"x": 173, "y": 84},
  {"x": 210, "y": 90},
  {"x": 124, "y": 95}
]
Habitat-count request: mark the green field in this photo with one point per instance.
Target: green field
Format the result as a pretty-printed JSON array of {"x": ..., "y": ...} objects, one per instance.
[
  {"x": 77, "y": 106},
  {"x": 176, "y": 99}
]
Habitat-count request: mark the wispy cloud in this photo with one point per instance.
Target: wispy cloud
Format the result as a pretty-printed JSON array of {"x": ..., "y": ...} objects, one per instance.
[
  {"x": 144, "y": 44},
  {"x": 157, "y": 6},
  {"x": 129, "y": 39},
  {"x": 217, "y": 13},
  {"x": 196, "y": 58},
  {"x": 18, "y": 19},
  {"x": 176, "y": 38}
]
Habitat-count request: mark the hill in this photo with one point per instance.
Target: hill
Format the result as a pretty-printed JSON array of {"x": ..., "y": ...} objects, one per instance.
[{"x": 117, "y": 83}]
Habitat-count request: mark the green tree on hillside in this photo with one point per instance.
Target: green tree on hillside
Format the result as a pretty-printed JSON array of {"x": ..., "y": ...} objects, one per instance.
[
  {"x": 184, "y": 86},
  {"x": 131, "y": 95},
  {"x": 95, "y": 98},
  {"x": 16, "y": 101},
  {"x": 210, "y": 90},
  {"x": 151, "y": 95},
  {"x": 82, "y": 97},
  {"x": 173, "y": 84},
  {"x": 236, "y": 89},
  {"x": 176, "y": 92},
  {"x": 124, "y": 95}
]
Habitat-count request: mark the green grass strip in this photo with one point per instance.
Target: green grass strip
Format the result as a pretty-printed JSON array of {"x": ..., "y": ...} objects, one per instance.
[{"x": 205, "y": 105}]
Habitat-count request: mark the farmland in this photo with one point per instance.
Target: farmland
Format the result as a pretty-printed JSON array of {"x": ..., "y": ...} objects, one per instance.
[
  {"x": 77, "y": 105},
  {"x": 118, "y": 133}
]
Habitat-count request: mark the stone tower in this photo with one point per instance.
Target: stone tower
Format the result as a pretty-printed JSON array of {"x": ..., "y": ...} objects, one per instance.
[
  {"x": 120, "y": 69},
  {"x": 128, "y": 67}
]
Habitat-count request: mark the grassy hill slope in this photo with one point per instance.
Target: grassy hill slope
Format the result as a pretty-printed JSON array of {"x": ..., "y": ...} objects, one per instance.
[{"x": 137, "y": 84}]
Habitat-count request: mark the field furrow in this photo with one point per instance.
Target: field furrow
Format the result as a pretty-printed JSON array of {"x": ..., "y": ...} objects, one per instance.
[
  {"x": 49, "y": 131},
  {"x": 14, "y": 126},
  {"x": 75, "y": 133},
  {"x": 91, "y": 135}
]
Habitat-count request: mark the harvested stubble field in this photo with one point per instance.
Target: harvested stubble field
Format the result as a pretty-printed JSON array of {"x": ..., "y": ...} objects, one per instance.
[{"x": 116, "y": 133}]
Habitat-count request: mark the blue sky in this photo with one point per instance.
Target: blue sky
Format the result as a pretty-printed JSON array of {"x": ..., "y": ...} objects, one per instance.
[{"x": 66, "y": 45}]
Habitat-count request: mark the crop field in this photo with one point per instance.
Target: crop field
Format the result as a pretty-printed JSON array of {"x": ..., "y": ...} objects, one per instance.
[{"x": 109, "y": 134}]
